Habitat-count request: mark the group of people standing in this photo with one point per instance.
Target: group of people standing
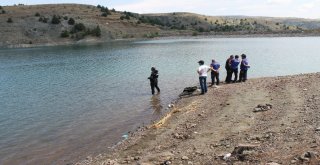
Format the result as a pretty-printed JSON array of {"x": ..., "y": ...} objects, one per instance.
[{"x": 231, "y": 66}]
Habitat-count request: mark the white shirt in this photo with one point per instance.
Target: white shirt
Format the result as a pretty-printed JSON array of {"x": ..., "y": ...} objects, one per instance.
[{"x": 203, "y": 70}]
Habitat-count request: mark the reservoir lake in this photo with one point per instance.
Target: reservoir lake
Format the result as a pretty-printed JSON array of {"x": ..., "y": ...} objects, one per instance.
[{"x": 60, "y": 104}]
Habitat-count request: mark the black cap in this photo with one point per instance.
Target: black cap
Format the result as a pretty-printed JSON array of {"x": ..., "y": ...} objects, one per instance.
[{"x": 201, "y": 62}]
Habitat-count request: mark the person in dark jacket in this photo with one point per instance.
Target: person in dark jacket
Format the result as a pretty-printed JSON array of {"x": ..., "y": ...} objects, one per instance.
[
  {"x": 234, "y": 65},
  {"x": 228, "y": 69},
  {"x": 154, "y": 80},
  {"x": 244, "y": 66}
]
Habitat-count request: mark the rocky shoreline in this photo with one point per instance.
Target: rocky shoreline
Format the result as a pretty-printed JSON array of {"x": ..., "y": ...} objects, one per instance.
[{"x": 263, "y": 121}]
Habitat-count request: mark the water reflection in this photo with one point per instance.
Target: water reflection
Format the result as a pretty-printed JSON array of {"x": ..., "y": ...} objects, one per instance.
[{"x": 156, "y": 104}]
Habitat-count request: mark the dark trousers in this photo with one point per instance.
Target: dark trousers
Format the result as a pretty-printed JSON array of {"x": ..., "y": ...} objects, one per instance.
[
  {"x": 235, "y": 72},
  {"x": 154, "y": 85},
  {"x": 215, "y": 76},
  {"x": 243, "y": 75},
  {"x": 229, "y": 74},
  {"x": 203, "y": 84}
]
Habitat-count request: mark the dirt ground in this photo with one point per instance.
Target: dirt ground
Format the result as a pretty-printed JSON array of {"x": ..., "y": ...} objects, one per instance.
[{"x": 221, "y": 127}]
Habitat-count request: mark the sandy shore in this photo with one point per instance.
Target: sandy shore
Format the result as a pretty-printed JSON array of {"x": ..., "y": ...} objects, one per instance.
[{"x": 221, "y": 127}]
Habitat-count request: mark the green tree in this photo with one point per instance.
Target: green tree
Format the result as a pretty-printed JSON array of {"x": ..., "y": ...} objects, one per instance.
[
  {"x": 71, "y": 21},
  {"x": 78, "y": 27},
  {"x": 9, "y": 20},
  {"x": 64, "y": 34},
  {"x": 55, "y": 20},
  {"x": 96, "y": 31}
]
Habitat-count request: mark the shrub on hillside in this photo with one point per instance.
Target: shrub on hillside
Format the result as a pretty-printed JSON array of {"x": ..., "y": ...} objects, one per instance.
[
  {"x": 78, "y": 27},
  {"x": 96, "y": 31},
  {"x": 43, "y": 19},
  {"x": 65, "y": 17},
  {"x": 3, "y": 12},
  {"x": 64, "y": 34},
  {"x": 0, "y": 7},
  {"x": 9, "y": 20},
  {"x": 37, "y": 14},
  {"x": 55, "y": 20},
  {"x": 71, "y": 21}
]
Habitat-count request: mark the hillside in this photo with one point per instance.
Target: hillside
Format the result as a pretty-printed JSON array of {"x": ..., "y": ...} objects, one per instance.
[{"x": 23, "y": 26}]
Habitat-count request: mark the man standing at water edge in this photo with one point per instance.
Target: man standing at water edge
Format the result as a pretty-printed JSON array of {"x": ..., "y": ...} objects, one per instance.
[
  {"x": 228, "y": 69},
  {"x": 234, "y": 67},
  {"x": 154, "y": 80},
  {"x": 244, "y": 66},
  {"x": 215, "y": 66},
  {"x": 202, "y": 71}
]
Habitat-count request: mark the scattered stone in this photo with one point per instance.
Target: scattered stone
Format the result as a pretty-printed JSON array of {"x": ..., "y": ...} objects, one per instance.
[
  {"x": 171, "y": 105},
  {"x": 261, "y": 107},
  {"x": 242, "y": 147},
  {"x": 307, "y": 156},
  {"x": 188, "y": 126},
  {"x": 190, "y": 163},
  {"x": 272, "y": 163},
  {"x": 136, "y": 158},
  {"x": 167, "y": 162},
  {"x": 293, "y": 161},
  {"x": 305, "y": 89},
  {"x": 318, "y": 129},
  {"x": 184, "y": 158},
  {"x": 226, "y": 156}
]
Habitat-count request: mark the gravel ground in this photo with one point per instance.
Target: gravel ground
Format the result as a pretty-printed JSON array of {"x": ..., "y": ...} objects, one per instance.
[{"x": 262, "y": 121}]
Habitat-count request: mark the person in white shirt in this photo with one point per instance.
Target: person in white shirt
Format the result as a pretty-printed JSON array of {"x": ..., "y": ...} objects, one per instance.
[{"x": 203, "y": 73}]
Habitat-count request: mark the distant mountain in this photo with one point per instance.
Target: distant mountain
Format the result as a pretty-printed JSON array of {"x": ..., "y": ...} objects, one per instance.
[{"x": 74, "y": 23}]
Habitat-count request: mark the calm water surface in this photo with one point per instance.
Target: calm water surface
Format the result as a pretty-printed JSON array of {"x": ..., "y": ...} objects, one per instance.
[{"x": 60, "y": 104}]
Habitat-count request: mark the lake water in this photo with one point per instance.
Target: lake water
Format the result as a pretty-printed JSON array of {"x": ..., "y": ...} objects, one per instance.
[{"x": 60, "y": 104}]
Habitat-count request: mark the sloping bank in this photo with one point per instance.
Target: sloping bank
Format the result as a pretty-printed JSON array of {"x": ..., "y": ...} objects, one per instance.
[{"x": 265, "y": 120}]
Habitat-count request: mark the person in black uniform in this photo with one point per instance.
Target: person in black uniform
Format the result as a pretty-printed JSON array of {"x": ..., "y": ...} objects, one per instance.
[
  {"x": 154, "y": 80},
  {"x": 228, "y": 69}
]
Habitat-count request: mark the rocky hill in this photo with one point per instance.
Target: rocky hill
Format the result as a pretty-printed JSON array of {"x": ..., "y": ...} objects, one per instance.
[{"x": 23, "y": 26}]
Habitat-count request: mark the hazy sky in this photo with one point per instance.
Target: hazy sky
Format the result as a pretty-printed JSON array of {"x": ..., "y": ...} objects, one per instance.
[{"x": 275, "y": 8}]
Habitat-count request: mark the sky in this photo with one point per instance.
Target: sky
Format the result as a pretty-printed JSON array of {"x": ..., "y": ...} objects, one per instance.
[{"x": 273, "y": 8}]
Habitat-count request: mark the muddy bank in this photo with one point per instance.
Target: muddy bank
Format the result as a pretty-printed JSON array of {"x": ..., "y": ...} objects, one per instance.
[{"x": 265, "y": 120}]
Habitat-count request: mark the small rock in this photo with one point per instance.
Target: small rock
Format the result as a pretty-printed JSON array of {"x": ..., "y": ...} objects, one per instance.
[
  {"x": 293, "y": 161},
  {"x": 257, "y": 109},
  {"x": 272, "y": 163},
  {"x": 226, "y": 156},
  {"x": 190, "y": 163},
  {"x": 167, "y": 162},
  {"x": 305, "y": 89},
  {"x": 318, "y": 129},
  {"x": 184, "y": 158}
]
